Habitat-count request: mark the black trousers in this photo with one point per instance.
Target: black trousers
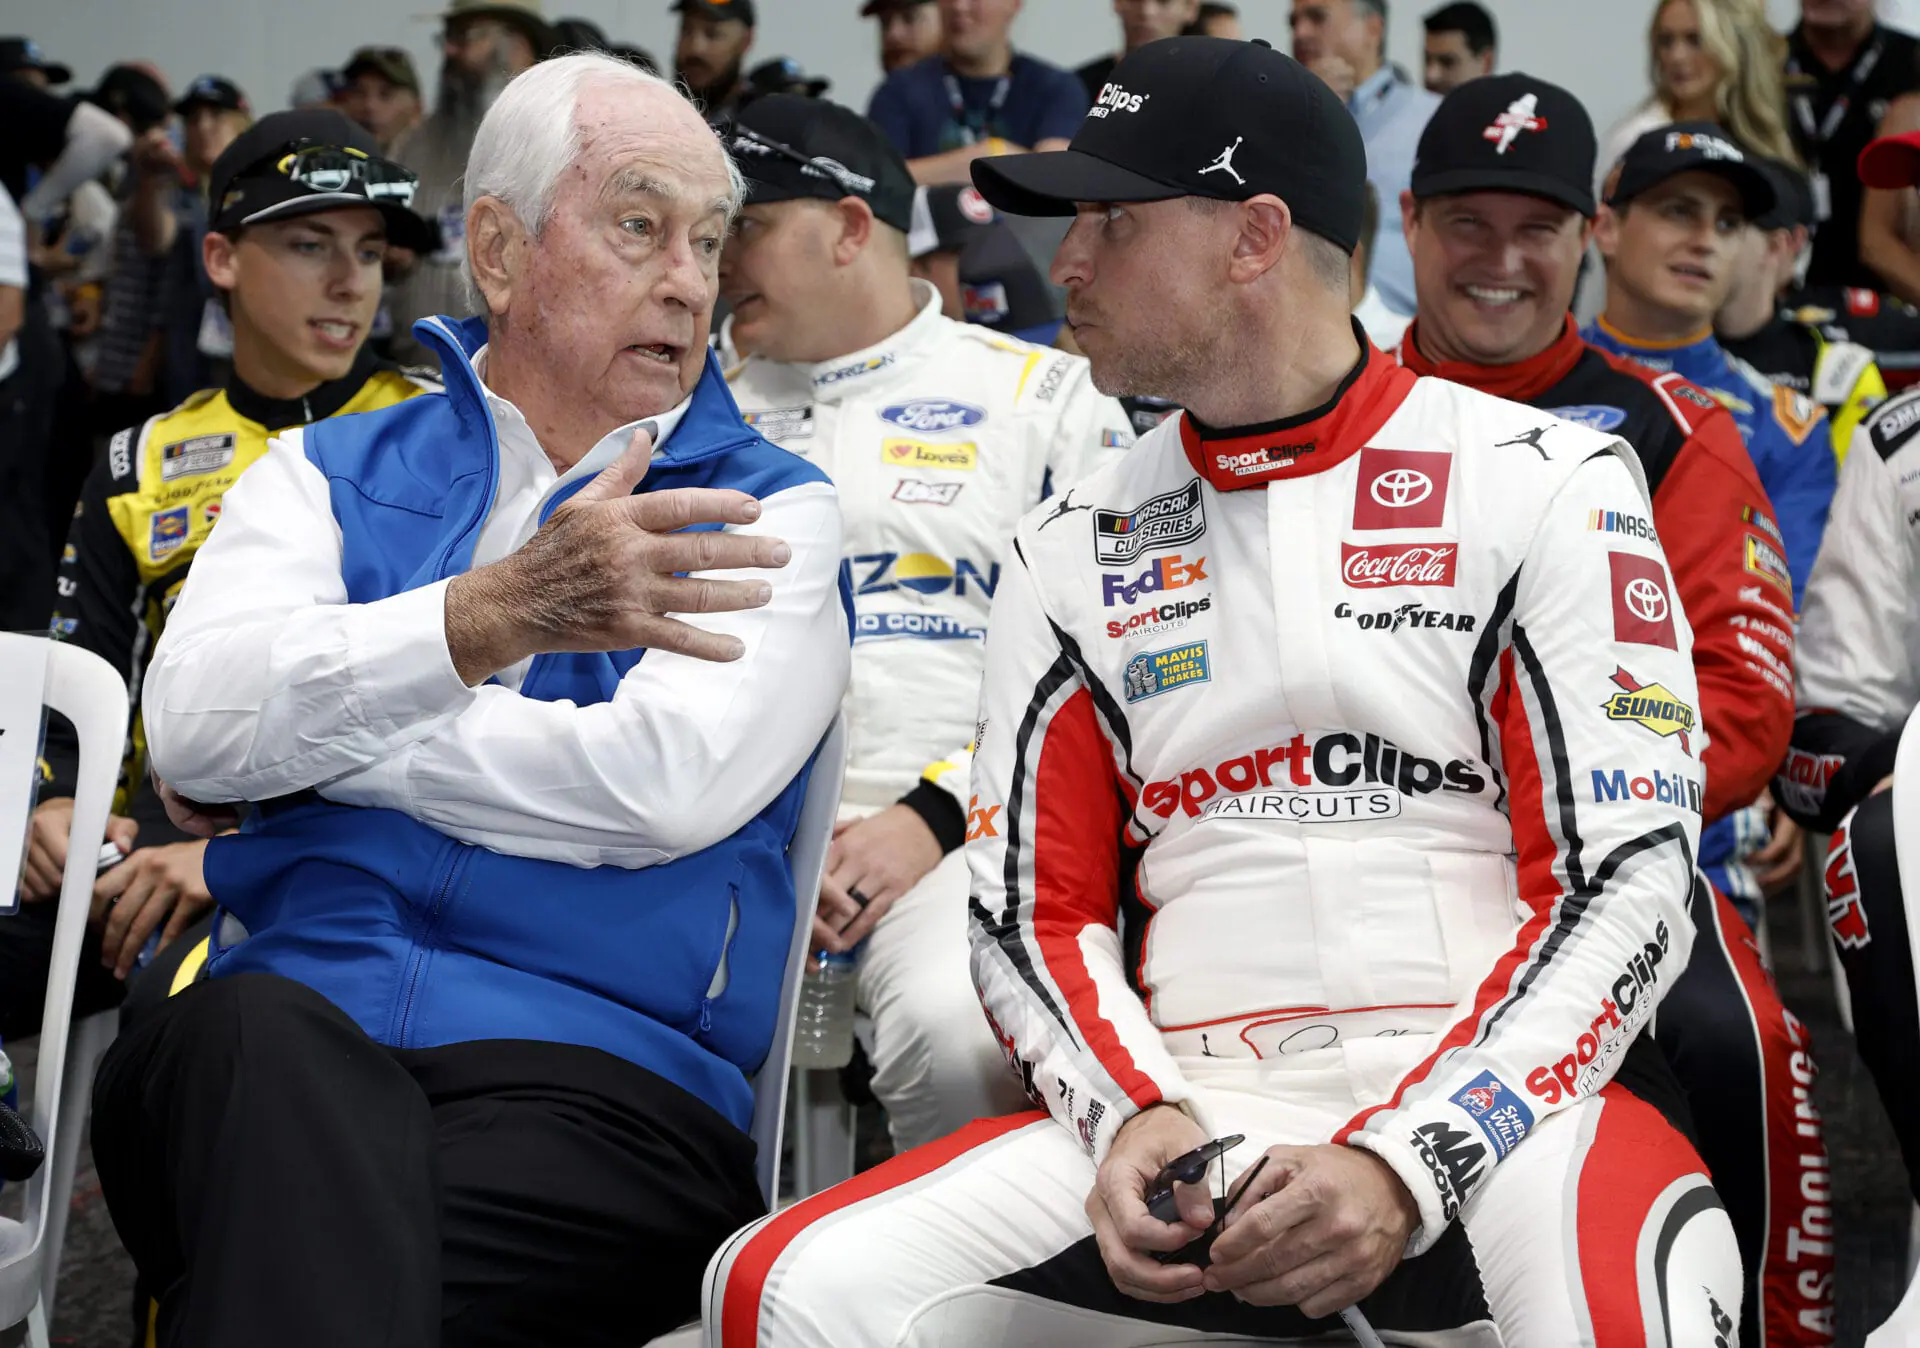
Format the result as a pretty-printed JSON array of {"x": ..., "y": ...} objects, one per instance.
[
  {"x": 1867, "y": 914},
  {"x": 280, "y": 1178}
]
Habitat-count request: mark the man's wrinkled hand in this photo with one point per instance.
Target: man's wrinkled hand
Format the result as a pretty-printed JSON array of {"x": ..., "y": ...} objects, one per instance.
[
  {"x": 1129, "y": 1235},
  {"x": 153, "y": 886},
  {"x": 47, "y": 846},
  {"x": 870, "y": 864},
  {"x": 192, "y": 816},
  {"x": 607, "y": 568},
  {"x": 1319, "y": 1228}
]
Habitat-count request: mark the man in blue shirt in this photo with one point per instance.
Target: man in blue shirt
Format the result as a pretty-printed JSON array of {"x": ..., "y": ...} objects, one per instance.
[
  {"x": 977, "y": 97},
  {"x": 1344, "y": 43}
]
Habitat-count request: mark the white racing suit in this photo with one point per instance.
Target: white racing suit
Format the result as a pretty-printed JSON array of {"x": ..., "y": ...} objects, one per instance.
[
  {"x": 938, "y": 439},
  {"x": 1384, "y": 837}
]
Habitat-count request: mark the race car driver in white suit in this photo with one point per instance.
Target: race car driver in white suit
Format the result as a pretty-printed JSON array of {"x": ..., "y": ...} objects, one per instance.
[
  {"x": 939, "y": 436},
  {"x": 1334, "y": 862}
]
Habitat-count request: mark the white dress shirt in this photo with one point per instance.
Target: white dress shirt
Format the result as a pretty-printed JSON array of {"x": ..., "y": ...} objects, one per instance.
[{"x": 269, "y": 682}]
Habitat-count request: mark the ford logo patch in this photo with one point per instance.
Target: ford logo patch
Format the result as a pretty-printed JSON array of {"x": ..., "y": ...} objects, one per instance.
[
  {"x": 1594, "y": 416},
  {"x": 933, "y": 414}
]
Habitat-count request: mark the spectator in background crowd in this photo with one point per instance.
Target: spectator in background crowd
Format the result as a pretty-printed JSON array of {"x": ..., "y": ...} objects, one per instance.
[
  {"x": 485, "y": 44},
  {"x": 22, "y": 59},
  {"x": 1217, "y": 20},
  {"x": 552, "y": 1119},
  {"x": 1838, "y": 374},
  {"x": 1676, "y": 213},
  {"x": 1383, "y": 326},
  {"x": 1890, "y": 211},
  {"x": 298, "y": 270},
  {"x": 940, "y": 437},
  {"x": 978, "y": 97},
  {"x": 976, "y": 261},
  {"x": 1709, "y": 61},
  {"x": 381, "y": 93},
  {"x": 170, "y": 220},
  {"x": 62, "y": 144},
  {"x": 709, "y": 56},
  {"x": 1462, "y": 45},
  {"x": 317, "y": 88},
  {"x": 909, "y": 31},
  {"x": 1344, "y": 43},
  {"x": 1843, "y": 70},
  {"x": 126, "y": 368},
  {"x": 1141, "y": 22},
  {"x": 946, "y": 218},
  {"x": 782, "y": 75}
]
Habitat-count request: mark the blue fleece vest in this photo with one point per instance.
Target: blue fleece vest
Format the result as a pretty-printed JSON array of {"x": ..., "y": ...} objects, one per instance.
[{"x": 426, "y": 941}]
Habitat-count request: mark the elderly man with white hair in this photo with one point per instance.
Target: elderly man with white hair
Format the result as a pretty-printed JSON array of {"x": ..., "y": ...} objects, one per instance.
[{"x": 502, "y": 936}]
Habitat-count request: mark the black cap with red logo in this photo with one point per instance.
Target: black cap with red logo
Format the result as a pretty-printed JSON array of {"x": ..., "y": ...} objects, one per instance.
[{"x": 1508, "y": 133}]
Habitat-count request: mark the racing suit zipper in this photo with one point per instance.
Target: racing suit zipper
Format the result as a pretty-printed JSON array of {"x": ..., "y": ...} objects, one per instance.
[
  {"x": 722, "y": 973},
  {"x": 417, "y": 958}
]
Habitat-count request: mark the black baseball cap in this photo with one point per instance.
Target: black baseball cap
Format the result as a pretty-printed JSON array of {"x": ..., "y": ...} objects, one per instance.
[
  {"x": 791, "y": 147},
  {"x": 310, "y": 160},
  {"x": 23, "y": 53},
  {"x": 133, "y": 93},
  {"x": 1508, "y": 133},
  {"x": 947, "y": 217},
  {"x": 212, "y": 91},
  {"x": 391, "y": 64},
  {"x": 784, "y": 75},
  {"x": 1690, "y": 147},
  {"x": 1792, "y": 197},
  {"x": 1201, "y": 117},
  {"x": 716, "y": 9},
  {"x": 1002, "y": 287}
]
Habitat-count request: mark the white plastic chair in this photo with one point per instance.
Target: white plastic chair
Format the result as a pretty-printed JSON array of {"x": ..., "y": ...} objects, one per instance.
[
  {"x": 86, "y": 690},
  {"x": 807, "y": 858},
  {"x": 1902, "y": 1329}
]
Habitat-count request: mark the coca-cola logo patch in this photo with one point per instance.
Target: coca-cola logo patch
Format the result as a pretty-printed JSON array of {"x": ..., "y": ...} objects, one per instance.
[
  {"x": 1370, "y": 566},
  {"x": 1401, "y": 489}
]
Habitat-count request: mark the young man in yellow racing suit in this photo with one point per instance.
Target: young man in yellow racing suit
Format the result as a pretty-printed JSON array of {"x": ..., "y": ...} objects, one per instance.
[{"x": 304, "y": 210}]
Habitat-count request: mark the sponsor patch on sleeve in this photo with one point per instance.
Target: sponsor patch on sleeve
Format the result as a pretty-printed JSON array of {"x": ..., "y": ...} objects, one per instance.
[
  {"x": 1765, "y": 560},
  {"x": 1502, "y": 1115},
  {"x": 1166, "y": 521},
  {"x": 1642, "y": 603}
]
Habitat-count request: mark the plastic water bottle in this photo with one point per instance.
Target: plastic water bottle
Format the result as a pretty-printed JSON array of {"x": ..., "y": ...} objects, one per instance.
[{"x": 823, "y": 1031}]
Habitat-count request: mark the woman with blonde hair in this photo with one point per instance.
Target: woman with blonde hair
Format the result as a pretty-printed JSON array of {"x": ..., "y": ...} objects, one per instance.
[{"x": 1713, "y": 61}]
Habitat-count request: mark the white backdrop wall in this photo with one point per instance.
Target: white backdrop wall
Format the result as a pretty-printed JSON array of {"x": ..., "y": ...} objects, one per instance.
[{"x": 1596, "y": 48}]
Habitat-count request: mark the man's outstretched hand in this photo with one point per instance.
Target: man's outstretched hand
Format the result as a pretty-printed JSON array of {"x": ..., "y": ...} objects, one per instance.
[
  {"x": 1319, "y": 1228},
  {"x": 606, "y": 569}
]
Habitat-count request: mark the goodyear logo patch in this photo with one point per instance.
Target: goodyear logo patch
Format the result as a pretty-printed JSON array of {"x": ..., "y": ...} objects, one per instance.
[
  {"x": 961, "y": 456},
  {"x": 166, "y": 532},
  {"x": 1154, "y": 672}
]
